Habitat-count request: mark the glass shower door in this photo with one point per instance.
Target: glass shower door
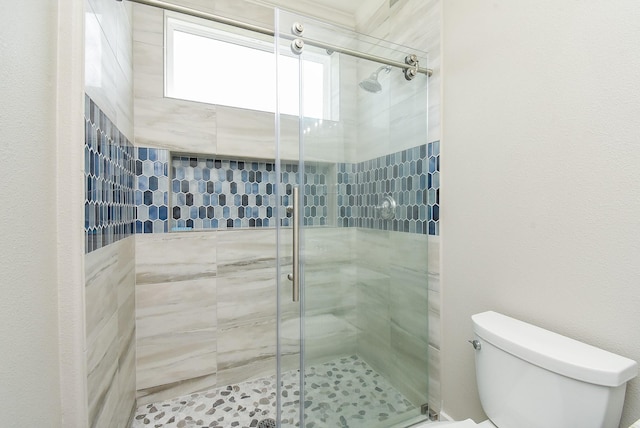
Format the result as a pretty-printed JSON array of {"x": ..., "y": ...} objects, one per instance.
[{"x": 352, "y": 351}]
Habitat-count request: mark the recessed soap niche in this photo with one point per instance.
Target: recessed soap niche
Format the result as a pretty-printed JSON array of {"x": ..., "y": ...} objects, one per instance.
[
  {"x": 207, "y": 192},
  {"x": 178, "y": 192}
]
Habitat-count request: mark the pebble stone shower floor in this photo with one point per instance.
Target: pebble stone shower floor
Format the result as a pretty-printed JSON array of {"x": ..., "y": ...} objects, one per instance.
[{"x": 344, "y": 393}]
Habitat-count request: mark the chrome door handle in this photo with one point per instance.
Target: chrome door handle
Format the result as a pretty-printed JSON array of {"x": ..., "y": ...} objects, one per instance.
[{"x": 295, "y": 276}]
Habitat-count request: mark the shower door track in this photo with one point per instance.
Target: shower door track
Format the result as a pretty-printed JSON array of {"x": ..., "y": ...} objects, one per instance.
[{"x": 246, "y": 26}]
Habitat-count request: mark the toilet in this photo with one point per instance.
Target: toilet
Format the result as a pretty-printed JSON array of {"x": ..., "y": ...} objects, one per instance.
[{"x": 528, "y": 377}]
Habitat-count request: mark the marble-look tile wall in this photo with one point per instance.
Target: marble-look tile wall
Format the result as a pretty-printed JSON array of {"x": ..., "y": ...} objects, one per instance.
[
  {"x": 206, "y": 307},
  {"x": 109, "y": 267},
  {"x": 247, "y": 305},
  {"x": 110, "y": 327},
  {"x": 392, "y": 301},
  {"x": 435, "y": 331},
  {"x": 414, "y": 23},
  {"x": 176, "y": 314},
  {"x": 109, "y": 60},
  {"x": 329, "y": 293}
]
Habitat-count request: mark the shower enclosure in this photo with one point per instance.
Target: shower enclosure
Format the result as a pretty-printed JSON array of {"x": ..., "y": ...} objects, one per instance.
[
  {"x": 354, "y": 346},
  {"x": 314, "y": 312}
]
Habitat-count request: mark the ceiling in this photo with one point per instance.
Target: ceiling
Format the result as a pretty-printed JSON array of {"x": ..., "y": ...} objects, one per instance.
[
  {"x": 349, "y": 6},
  {"x": 339, "y": 11}
]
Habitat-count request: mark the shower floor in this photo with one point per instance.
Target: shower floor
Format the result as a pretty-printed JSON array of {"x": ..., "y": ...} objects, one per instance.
[{"x": 345, "y": 392}]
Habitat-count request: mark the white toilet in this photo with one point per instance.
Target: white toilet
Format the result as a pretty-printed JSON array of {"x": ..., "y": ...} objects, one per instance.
[{"x": 529, "y": 377}]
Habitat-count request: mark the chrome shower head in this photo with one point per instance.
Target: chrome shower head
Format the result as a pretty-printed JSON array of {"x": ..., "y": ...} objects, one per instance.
[{"x": 371, "y": 84}]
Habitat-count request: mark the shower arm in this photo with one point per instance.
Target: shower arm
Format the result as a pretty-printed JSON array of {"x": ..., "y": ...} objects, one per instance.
[
  {"x": 246, "y": 26},
  {"x": 386, "y": 69}
]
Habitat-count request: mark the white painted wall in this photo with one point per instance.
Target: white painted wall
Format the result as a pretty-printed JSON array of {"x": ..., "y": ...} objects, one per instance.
[
  {"x": 541, "y": 177},
  {"x": 28, "y": 305}
]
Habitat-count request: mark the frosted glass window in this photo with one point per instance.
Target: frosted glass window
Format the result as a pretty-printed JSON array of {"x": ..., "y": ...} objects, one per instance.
[{"x": 213, "y": 66}]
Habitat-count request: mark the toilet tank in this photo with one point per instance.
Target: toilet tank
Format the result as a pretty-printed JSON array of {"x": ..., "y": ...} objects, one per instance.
[{"x": 529, "y": 377}]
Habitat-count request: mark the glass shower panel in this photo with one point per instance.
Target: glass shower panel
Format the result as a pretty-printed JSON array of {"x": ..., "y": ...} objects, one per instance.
[{"x": 353, "y": 350}]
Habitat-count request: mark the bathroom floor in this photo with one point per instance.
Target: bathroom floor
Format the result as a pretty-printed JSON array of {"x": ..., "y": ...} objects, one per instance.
[{"x": 345, "y": 392}]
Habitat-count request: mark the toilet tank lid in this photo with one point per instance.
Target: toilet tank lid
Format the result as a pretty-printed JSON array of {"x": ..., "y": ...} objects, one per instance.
[{"x": 553, "y": 351}]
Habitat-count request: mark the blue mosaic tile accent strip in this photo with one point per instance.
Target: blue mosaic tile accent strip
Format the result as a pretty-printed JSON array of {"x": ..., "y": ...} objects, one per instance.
[
  {"x": 402, "y": 175},
  {"x": 152, "y": 190},
  {"x": 109, "y": 208},
  {"x": 289, "y": 178},
  {"x": 411, "y": 177},
  {"x": 211, "y": 193},
  {"x": 316, "y": 185},
  {"x": 347, "y": 189},
  {"x": 433, "y": 156}
]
